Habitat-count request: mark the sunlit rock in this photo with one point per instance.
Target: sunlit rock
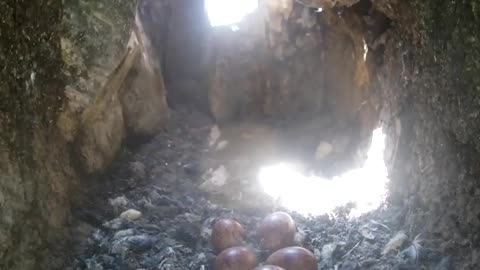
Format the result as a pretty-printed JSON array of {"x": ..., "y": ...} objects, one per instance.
[
  {"x": 102, "y": 124},
  {"x": 143, "y": 96}
]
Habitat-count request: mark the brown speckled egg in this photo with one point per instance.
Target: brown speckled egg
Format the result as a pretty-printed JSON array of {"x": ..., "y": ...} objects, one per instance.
[
  {"x": 269, "y": 267},
  {"x": 276, "y": 231},
  {"x": 236, "y": 258},
  {"x": 293, "y": 258},
  {"x": 227, "y": 233}
]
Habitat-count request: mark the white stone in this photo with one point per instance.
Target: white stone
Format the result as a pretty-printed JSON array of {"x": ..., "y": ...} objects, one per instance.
[
  {"x": 395, "y": 243},
  {"x": 214, "y": 136},
  {"x": 221, "y": 145},
  {"x": 131, "y": 215},
  {"x": 323, "y": 150},
  {"x": 119, "y": 201},
  {"x": 216, "y": 179}
]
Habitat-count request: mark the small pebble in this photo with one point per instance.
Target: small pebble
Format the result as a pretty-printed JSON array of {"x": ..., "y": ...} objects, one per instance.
[
  {"x": 221, "y": 145},
  {"x": 131, "y": 215},
  {"x": 119, "y": 201}
]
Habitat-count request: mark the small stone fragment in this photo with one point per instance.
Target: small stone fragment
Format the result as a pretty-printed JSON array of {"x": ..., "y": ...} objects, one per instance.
[
  {"x": 131, "y": 215},
  {"x": 221, "y": 145},
  {"x": 118, "y": 201},
  {"x": 323, "y": 150},
  {"x": 214, "y": 136},
  {"x": 366, "y": 233},
  {"x": 134, "y": 243},
  {"x": 217, "y": 179},
  {"x": 395, "y": 243},
  {"x": 115, "y": 224},
  {"x": 123, "y": 233}
]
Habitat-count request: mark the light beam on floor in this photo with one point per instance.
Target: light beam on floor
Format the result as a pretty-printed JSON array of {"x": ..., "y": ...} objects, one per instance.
[{"x": 364, "y": 187}]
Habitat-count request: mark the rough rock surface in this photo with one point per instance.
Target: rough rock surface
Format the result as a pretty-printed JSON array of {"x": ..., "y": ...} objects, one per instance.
[
  {"x": 35, "y": 174},
  {"x": 432, "y": 106},
  {"x": 143, "y": 94},
  {"x": 93, "y": 44},
  {"x": 93, "y": 41},
  {"x": 102, "y": 129},
  {"x": 143, "y": 100},
  {"x": 130, "y": 99}
]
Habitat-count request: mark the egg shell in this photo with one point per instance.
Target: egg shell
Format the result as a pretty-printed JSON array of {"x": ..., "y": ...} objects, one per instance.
[
  {"x": 268, "y": 267},
  {"x": 236, "y": 258},
  {"x": 227, "y": 233},
  {"x": 293, "y": 258},
  {"x": 276, "y": 231}
]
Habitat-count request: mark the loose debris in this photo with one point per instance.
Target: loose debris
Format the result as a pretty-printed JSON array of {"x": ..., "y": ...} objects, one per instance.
[{"x": 163, "y": 221}]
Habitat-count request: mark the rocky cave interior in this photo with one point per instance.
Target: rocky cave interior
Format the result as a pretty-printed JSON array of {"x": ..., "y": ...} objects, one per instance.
[{"x": 129, "y": 127}]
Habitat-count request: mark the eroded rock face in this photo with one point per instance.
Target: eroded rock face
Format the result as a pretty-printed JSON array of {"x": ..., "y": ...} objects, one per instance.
[
  {"x": 432, "y": 107},
  {"x": 94, "y": 41},
  {"x": 143, "y": 94},
  {"x": 93, "y": 44},
  {"x": 144, "y": 105},
  {"x": 35, "y": 174},
  {"x": 102, "y": 129},
  {"x": 129, "y": 99},
  {"x": 48, "y": 74}
]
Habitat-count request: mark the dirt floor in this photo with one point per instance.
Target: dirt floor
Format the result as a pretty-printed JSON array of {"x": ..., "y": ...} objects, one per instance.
[{"x": 171, "y": 225}]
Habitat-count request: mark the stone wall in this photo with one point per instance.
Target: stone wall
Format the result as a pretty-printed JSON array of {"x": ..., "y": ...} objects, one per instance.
[
  {"x": 65, "y": 61},
  {"x": 35, "y": 175},
  {"x": 114, "y": 91},
  {"x": 432, "y": 106},
  {"x": 93, "y": 41}
]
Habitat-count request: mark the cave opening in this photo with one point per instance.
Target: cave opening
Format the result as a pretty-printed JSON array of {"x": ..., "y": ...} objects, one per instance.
[
  {"x": 363, "y": 188},
  {"x": 221, "y": 13},
  {"x": 300, "y": 134}
]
